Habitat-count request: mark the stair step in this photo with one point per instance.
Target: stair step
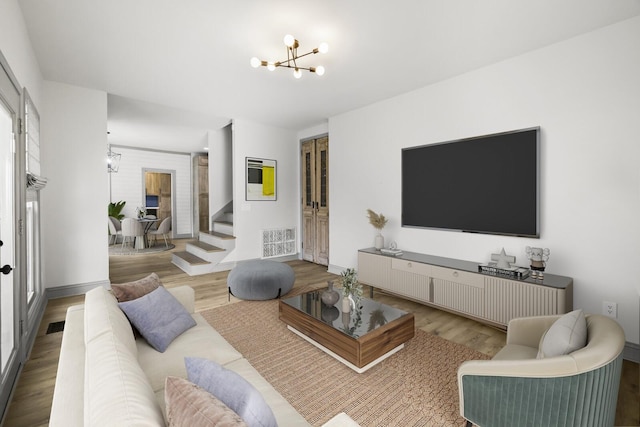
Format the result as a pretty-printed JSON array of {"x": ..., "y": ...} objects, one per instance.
[
  {"x": 205, "y": 246},
  {"x": 223, "y": 222},
  {"x": 219, "y": 235},
  {"x": 190, "y": 258}
]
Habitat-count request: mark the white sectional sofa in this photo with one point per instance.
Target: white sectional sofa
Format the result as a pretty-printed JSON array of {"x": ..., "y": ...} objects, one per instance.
[{"x": 107, "y": 377}]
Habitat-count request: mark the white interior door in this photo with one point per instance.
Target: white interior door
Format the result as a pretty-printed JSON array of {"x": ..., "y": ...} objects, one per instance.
[
  {"x": 7, "y": 256},
  {"x": 9, "y": 285}
]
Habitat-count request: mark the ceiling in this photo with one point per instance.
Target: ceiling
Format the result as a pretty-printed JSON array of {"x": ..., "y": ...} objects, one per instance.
[{"x": 174, "y": 69}]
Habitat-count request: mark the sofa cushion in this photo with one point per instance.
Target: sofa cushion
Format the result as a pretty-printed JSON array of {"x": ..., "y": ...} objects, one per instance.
[
  {"x": 566, "y": 335},
  {"x": 136, "y": 289},
  {"x": 232, "y": 389},
  {"x": 193, "y": 406},
  {"x": 102, "y": 315},
  {"x": 159, "y": 317},
  {"x": 200, "y": 341},
  {"x": 116, "y": 390}
]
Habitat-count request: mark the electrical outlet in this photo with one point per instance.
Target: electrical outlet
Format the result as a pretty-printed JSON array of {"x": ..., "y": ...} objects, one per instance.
[{"x": 610, "y": 309}]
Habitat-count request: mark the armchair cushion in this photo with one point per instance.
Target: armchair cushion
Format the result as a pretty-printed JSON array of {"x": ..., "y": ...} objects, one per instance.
[{"x": 566, "y": 335}]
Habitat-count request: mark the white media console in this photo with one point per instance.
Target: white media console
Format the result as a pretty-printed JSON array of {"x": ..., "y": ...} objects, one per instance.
[{"x": 457, "y": 286}]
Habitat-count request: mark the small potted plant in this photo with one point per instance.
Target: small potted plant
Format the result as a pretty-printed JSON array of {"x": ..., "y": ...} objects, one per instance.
[
  {"x": 351, "y": 289},
  {"x": 378, "y": 222}
]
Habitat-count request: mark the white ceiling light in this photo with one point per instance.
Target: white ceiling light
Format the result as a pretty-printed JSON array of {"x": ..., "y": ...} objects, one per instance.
[{"x": 292, "y": 56}]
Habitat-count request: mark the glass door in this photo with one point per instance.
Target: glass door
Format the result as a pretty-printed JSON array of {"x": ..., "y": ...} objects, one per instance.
[
  {"x": 7, "y": 258},
  {"x": 9, "y": 284}
]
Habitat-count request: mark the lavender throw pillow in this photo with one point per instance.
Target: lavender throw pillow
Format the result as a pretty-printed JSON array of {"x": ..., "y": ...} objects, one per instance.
[
  {"x": 159, "y": 317},
  {"x": 233, "y": 390}
]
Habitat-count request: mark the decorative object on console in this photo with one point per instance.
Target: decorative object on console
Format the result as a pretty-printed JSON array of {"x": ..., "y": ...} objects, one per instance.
[
  {"x": 330, "y": 296},
  {"x": 394, "y": 252},
  {"x": 351, "y": 289},
  {"x": 503, "y": 260},
  {"x": 378, "y": 222},
  {"x": 292, "y": 46},
  {"x": 538, "y": 258},
  {"x": 503, "y": 266},
  {"x": 513, "y": 272}
]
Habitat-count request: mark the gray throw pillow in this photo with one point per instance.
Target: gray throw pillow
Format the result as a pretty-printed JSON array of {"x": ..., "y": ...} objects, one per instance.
[
  {"x": 159, "y": 317},
  {"x": 233, "y": 390},
  {"x": 566, "y": 335}
]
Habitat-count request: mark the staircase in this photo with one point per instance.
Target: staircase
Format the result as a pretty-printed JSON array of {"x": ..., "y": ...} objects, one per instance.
[{"x": 204, "y": 255}]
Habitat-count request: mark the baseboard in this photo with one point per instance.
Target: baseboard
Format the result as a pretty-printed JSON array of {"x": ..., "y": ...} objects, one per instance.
[
  {"x": 35, "y": 318},
  {"x": 79, "y": 289},
  {"x": 631, "y": 352},
  {"x": 335, "y": 269}
]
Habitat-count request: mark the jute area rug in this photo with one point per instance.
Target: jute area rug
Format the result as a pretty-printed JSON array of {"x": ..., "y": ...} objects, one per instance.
[{"x": 415, "y": 387}]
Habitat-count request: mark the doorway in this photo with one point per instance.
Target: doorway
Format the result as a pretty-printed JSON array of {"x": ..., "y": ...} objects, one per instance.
[
  {"x": 315, "y": 200},
  {"x": 158, "y": 190}
]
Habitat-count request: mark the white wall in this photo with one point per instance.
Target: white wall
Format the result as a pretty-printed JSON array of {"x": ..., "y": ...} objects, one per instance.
[
  {"x": 250, "y": 217},
  {"x": 73, "y": 150},
  {"x": 584, "y": 94},
  {"x": 16, "y": 48},
  {"x": 220, "y": 169},
  {"x": 317, "y": 130},
  {"x": 128, "y": 184}
]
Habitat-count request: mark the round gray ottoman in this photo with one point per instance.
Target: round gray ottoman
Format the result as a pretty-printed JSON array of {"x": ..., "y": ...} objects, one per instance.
[{"x": 260, "y": 280}]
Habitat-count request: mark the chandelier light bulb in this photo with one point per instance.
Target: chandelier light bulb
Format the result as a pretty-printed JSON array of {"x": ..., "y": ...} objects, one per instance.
[
  {"x": 323, "y": 47},
  {"x": 255, "y": 62},
  {"x": 297, "y": 73},
  {"x": 271, "y": 66},
  {"x": 320, "y": 70},
  {"x": 289, "y": 40}
]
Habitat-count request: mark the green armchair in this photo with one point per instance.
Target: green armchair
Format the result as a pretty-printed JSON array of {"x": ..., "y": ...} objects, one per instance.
[{"x": 517, "y": 389}]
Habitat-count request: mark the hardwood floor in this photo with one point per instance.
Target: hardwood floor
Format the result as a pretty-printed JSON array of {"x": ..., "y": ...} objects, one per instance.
[{"x": 31, "y": 403}]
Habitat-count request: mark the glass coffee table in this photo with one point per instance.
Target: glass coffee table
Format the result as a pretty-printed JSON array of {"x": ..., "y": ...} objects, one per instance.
[{"x": 360, "y": 339}]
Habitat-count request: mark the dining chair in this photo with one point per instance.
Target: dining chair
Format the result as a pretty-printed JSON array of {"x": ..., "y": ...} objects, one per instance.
[
  {"x": 163, "y": 230},
  {"x": 115, "y": 229},
  {"x": 131, "y": 229}
]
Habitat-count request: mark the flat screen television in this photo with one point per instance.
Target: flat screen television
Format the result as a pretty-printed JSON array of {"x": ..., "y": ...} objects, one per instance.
[{"x": 486, "y": 184}]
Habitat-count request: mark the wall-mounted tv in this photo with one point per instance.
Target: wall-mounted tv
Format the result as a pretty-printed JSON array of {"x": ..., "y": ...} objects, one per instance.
[{"x": 487, "y": 184}]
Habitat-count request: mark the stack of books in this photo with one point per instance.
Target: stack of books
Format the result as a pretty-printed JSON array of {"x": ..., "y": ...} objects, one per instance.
[
  {"x": 394, "y": 252},
  {"x": 513, "y": 272}
]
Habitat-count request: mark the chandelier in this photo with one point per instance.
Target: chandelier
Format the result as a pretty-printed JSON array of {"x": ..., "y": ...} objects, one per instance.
[
  {"x": 292, "y": 56},
  {"x": 113, "y": 160}
]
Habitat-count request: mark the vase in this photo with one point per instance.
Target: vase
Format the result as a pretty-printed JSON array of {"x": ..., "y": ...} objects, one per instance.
[
  {"x": 330, "y": 296},
  {"x": 347, "y": 303},
  {"x": 379, "y": 242}
]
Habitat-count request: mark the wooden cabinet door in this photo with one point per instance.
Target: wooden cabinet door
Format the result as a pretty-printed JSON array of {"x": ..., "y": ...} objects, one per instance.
[{"x": 315, "y": 200}]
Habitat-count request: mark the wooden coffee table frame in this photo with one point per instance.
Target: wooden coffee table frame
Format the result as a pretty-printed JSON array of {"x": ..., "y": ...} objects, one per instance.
[{"x": 360, "y": 353}]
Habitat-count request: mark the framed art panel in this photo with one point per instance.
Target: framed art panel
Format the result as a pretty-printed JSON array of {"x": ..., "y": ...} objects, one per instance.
[{"x": 261, "y": 179}]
